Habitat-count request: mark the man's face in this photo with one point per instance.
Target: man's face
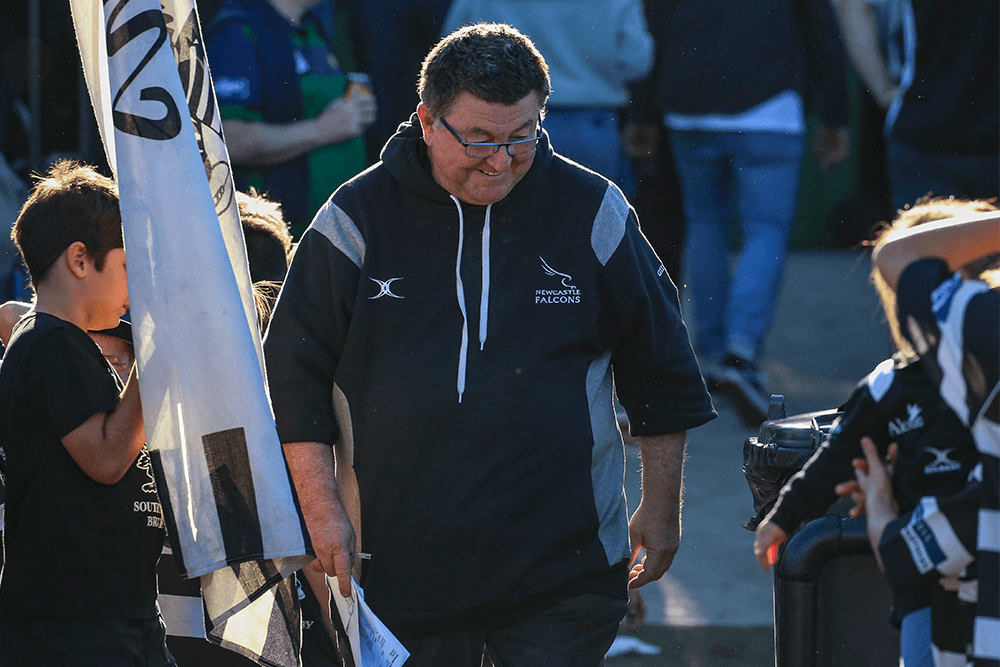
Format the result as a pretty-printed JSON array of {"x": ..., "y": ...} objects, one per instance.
[
  {"x": 107, "y": 292},
  {"x": 487, "y": 180}
]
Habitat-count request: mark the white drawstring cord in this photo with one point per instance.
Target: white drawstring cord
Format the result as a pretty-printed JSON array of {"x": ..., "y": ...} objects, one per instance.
[
  {"x": 484, "y": 294},
  {"x": 460, "y": 294}
]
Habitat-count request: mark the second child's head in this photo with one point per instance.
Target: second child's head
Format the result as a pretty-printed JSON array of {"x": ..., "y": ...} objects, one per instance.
[
  {"x": 269, "y": 249},
  {"x": 69, "y": 233}
]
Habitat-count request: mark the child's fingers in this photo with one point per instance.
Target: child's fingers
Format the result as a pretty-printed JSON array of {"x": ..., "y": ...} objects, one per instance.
[
  {"x": 871, "y": 452},
  {"x": 846, "y": 488}
]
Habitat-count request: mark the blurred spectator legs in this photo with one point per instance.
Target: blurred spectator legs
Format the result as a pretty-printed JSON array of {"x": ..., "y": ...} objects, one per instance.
[{"x": 750, "y": 179}]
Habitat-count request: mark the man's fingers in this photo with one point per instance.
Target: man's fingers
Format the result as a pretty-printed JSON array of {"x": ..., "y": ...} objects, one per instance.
[
  {"x": 635, "y": 552},
  {"x": 344, "y": 583},
  {"x": 344, "y": 564},
  {"x": 653, "y": 566}
]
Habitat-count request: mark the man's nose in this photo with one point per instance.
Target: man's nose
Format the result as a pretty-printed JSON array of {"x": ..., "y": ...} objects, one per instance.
[{"x": 500, "y": 160}]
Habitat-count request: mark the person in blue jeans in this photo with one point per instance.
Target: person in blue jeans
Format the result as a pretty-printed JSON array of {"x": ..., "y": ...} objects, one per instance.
[{"x": 737, "y": 129}]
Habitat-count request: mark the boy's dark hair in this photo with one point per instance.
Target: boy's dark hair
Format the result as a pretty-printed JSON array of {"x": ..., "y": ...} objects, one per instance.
[
  {"x": 491, "y": 61},
  {"x": 70, "y": 203},
  {"x": 268, "y": 241}
]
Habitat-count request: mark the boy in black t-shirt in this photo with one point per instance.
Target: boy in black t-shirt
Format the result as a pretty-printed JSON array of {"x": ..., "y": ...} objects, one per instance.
[{"x": 83, "y": 523}]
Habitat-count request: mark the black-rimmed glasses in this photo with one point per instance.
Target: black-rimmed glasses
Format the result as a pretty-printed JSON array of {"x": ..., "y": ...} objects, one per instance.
[{"x": 484, "y": 150}]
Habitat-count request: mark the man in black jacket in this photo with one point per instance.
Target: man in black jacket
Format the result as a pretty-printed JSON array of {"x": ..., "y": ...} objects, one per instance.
[{"x": 484, "y": 478}]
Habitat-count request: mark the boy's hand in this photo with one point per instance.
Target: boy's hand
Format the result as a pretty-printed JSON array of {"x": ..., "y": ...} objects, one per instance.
[
  {"x": 854, "y": 488},
  {"x": 766, "y": 541},
  {"x": 873, "y": 478}
]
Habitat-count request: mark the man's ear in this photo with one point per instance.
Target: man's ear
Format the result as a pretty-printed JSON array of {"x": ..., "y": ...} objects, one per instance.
[
  {"x": 426, "y": 119},
  {"x": 77, "y": 259}
]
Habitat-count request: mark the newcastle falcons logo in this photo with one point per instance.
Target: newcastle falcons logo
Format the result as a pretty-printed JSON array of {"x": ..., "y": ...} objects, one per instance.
[
  {"x": 568, "y": 294},
  {"x": 549, "y": 271},
  {"x": 385, "y": 288}
]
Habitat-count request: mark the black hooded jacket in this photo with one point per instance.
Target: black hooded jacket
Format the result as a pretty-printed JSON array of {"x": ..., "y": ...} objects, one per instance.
[{"x": 472, "y": 348}]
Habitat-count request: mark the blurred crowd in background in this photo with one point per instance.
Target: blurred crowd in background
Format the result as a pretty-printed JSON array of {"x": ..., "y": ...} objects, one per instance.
[{"x": 750, "y": 127}]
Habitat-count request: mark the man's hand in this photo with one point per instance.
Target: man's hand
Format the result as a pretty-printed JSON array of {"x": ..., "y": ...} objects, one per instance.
[
  {"x": 346, "y": 117},
  {"x": 831, "y": 146},
  {"x": 658, "y": 531},
  {"x": 333, "y": 539},
  {"x": 767, "y": 538},
  {"x": 656, "y": 524},
  {"x": 334, "y": 542}
]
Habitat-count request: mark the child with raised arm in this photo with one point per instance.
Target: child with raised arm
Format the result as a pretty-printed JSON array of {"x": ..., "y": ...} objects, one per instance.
[
  {"x": 953, "y": 322},
  {"x": 83, "y": 522},
  {"x": 897, "y": 403}
]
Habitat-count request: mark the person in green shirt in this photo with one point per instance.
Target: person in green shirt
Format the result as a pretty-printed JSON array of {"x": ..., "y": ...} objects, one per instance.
[{"x": 293, "y": 119}]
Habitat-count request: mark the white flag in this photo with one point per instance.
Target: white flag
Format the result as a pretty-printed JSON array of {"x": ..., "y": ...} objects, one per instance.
[{"x": 221, "y": 476}]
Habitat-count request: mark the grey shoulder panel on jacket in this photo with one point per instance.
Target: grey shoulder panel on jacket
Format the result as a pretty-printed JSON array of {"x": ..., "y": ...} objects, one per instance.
[
  {"x": 339, "y": 229},
  {"x": 609, "y": 224}
]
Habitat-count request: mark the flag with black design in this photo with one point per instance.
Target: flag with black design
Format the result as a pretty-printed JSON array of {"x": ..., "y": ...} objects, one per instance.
[{"x": 222, "y": 480}]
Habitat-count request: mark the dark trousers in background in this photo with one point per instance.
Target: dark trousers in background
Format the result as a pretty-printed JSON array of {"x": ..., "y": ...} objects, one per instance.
[
  {"x": 84, "y": 642},
  {"x": 660, "y": 206}
]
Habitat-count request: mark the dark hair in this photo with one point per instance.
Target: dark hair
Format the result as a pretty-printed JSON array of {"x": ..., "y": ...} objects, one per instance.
[
  {"x": 70, "y": 203},
  {"x": 268, "y": 241},
  {"x": 492, "y": 61}
]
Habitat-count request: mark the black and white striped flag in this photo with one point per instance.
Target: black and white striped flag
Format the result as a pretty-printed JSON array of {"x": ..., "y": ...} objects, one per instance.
[{"x": 221, "y": 476}]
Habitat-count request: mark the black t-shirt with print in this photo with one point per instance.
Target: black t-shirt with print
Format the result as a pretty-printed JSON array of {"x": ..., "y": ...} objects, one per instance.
[{"x": 73, "y": 547}]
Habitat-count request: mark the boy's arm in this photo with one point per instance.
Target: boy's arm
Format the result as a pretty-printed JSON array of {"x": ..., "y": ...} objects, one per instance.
[
  {"x": 957, "y": 241},
  {"x": 107, "y": 444},
  {"x": 811, "y": 490}
]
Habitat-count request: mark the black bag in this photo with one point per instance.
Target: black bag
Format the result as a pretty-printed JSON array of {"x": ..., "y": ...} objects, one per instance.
[{"x": 780, "y": 450}]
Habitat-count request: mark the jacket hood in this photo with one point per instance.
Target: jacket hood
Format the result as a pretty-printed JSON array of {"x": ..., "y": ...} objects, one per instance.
[{"x": 405, "y": 157}]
